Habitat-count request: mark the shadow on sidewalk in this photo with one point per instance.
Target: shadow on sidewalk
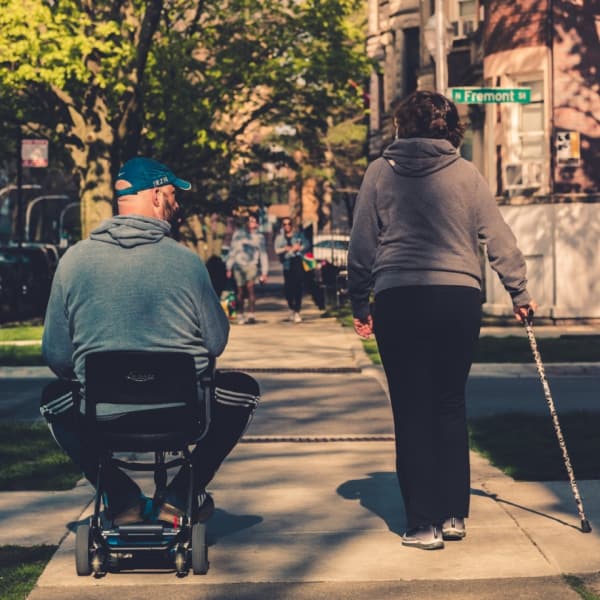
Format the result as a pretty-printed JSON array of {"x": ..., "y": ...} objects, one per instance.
[
  {"x": 501, "y": 500},
  {"x": 223, "y": 523},
  {"x": 379, "y": 493},
  {"x": 220, "y": 525}
]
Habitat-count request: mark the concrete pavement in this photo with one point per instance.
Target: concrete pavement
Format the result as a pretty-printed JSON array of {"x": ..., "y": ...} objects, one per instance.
[{"x": 308, "y": 505}]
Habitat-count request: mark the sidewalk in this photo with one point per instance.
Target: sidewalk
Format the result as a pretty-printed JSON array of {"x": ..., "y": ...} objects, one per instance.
[{"x": 308, "y": 505}]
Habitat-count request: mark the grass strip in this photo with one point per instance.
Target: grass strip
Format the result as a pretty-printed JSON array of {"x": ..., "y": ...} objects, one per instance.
[
  {"x": 525, "y": 447},
  {"x": 30, "y": 459},
  {"x": 578, "y": 585},
  {"x": 20, "y": 568},
  {"x": 20, "y": 356},
  {"x": 506, "y": 349},
  {"x": 21, "y": 333},
  {"x": 566, "y": 348}
]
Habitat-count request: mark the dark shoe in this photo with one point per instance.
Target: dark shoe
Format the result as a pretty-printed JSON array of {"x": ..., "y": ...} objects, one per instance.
[
  {"x": 129, "y": 516},
  {"x": 454, "y": 529},
  {"x": 426, "y": 537}
]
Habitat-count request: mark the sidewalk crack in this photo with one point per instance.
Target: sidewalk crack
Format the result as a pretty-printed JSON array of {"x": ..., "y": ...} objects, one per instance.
[{"x": 500, "y": 502}]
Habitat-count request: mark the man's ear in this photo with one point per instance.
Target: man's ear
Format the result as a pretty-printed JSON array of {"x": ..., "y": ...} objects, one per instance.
[{"x": 155, "y": 200}]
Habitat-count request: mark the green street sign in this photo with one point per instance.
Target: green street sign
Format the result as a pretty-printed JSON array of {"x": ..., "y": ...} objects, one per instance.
[{"x": 472, "y": 95}]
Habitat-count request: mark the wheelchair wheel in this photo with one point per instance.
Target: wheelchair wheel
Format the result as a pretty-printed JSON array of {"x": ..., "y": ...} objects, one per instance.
[
  {"x": 199, "y": 549},
  {"x": 82, "y": 550}
]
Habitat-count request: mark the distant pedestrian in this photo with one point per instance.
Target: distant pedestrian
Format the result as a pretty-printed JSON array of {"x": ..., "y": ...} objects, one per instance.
[
  {"x": 290, "y": 246},
  {"x": 218, "y": 273},
  {"x": 419, "y": 217},
  {"x": 248, "y": 262}
]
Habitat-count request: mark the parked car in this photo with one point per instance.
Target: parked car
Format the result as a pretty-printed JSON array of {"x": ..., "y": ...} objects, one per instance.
[
  {"x": 331, "y": 248},
  {"x": 26, "y": 273}
]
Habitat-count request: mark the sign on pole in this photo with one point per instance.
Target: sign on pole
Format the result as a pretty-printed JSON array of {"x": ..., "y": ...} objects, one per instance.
[
  {"x": 34, "y": 153},
  {"x": 472, "y": 95}
]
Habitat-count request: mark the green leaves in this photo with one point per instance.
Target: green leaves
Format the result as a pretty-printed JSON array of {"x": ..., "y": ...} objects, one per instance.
[{"x": 195, "y": 88}]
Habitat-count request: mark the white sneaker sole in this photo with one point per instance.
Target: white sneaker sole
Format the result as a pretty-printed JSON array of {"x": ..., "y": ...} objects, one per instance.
[
  {"x": 437, "y": 545},
  {"x": 453, "y": 534}
]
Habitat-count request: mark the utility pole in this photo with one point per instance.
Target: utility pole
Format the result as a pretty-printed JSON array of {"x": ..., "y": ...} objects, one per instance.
[
  {"x": 20, "y": 232},
  {"x": 441, "y": 66}
]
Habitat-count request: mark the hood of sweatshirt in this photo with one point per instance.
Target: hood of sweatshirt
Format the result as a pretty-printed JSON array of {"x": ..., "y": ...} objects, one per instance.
[
  {"x": 130, "y": 231},
  {"x": 417, "y": 157}
]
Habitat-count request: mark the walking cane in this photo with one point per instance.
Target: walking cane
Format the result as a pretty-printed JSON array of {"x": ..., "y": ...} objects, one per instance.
[{"x": 528, "y": 322}]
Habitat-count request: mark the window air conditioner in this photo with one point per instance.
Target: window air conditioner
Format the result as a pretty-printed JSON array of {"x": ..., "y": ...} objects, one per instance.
[
  {"x": 468, "y": 27},
  {"x": 526, "y": 174},
  {"x": 462, "y": 28}
]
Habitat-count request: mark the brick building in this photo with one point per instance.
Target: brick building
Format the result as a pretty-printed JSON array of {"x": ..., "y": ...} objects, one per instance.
[{"x": 541, "y": 158}]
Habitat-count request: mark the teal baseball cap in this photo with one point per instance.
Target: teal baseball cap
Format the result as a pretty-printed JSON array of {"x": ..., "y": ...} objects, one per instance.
[{"x": 146, "y": 173}]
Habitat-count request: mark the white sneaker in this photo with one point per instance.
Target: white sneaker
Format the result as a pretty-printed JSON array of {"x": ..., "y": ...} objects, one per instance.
[
  {"x": 454, "y": 529},
  {"x": 290, "y": 316},
  {"x": 251, "y": 318},
  {"x": 426, "y": 537},
  {"x": 241, "y": 319},
  {"x": 297, "y": 318}
]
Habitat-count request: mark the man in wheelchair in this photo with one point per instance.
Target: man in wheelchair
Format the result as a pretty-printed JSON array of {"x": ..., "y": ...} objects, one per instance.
[{"x": 131, "y": 287}]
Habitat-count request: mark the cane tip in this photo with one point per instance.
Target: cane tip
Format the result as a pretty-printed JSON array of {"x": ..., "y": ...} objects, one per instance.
[{"x": 585, "y": 526}]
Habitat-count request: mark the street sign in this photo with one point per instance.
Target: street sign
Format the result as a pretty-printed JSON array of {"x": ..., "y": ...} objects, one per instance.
[
  {"x": 472, "y": 95},
  {"x": 34, "y": 153}
]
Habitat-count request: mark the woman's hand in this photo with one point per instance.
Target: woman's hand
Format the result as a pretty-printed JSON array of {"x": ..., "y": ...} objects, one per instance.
[
  {"x": 363, "y": 327},
  {"x": 523, "y": 312}
]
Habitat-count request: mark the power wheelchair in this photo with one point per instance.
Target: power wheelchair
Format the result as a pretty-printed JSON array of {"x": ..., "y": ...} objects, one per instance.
[{"x": 155, "y": 406}]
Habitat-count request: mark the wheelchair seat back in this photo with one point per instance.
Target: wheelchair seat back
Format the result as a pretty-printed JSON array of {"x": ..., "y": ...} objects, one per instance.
[{"x": 144, "y": 401}]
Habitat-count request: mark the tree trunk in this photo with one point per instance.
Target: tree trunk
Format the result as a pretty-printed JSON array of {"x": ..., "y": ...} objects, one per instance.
[{"x": 91, "y": 153}]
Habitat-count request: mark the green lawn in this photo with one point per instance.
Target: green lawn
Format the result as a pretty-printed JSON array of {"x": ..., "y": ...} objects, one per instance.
[
  {"x": 30, "y": 459},
  {"x": 514, "y": 349},
  {"x": 566, "y": 348},
  {"x": 16, "y": 356},
  {"x": 507, "y": 349},
  {"x": 20, "y": 569},
  {"x": 13, "y": 333},
  {"x": 525, "y": 446}
]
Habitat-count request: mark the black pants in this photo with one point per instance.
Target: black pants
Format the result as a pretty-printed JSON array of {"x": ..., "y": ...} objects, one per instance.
[
  {"x": 426, "y": 337},
  {"x": 230, "y": 417},
  {"x": 293, "y": 279}
]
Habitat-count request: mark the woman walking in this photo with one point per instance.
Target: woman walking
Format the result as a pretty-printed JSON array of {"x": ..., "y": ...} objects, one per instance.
[
  {"x": 419, "y": 217},
  {"x": 290, "y": 245}
]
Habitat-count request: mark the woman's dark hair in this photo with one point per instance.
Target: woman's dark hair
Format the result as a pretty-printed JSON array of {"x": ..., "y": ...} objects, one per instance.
[{"x": 429, "y": 115}]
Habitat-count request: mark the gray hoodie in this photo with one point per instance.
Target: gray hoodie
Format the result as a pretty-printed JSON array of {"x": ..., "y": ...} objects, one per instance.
[
  {"x": 419, "y": 217},
  {"x": 131, "y": 287}
]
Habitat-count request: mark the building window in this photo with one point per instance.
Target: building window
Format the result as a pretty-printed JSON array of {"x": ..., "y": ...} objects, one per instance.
[
  {"x": 525, "y": 136},
  {"x": 380, "y": 99},
  {"x": 464, "y": 17},
  {"x": 467, "y": 9},
  {"x": 412, "y": 59}
]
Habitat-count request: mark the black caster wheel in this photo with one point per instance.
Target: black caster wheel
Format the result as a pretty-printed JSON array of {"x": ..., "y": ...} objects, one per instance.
[
  {"x": 199, "y": 549},
  {"x": 181, "y": 567},
  {"x": 82, "y": 550},
  {"x": 98, "y": 563}
]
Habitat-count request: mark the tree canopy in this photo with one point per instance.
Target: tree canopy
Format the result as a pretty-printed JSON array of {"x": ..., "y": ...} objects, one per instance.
[{"x": 196, "y": 84}]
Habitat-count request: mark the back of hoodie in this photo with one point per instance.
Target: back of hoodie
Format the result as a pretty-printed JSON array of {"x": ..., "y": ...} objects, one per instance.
[
  {"x": 131, "y": 287},
  {"x": 418, "y": 220}
]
